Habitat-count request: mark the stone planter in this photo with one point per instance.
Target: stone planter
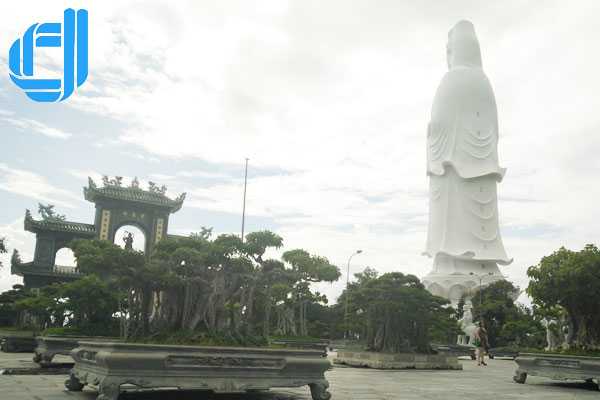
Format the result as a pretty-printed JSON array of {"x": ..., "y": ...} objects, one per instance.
[
  {"x": 556, "y": 366},
  {"x": 397, "y": 361},
  {"x": 320, "y": 345},
  {"x": 219, "y": 369},
  {"x": 49, "y": 346},
  {"x": 17, "y": 344}
]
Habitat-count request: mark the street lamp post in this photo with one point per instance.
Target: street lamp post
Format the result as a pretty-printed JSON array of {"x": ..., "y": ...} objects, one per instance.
[
  {"x": 480, "y": 284},
  {"x": 348, "y": 294}
]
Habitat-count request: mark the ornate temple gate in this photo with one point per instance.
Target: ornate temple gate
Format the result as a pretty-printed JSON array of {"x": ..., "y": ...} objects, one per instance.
[{"x": 116, "y": 206}]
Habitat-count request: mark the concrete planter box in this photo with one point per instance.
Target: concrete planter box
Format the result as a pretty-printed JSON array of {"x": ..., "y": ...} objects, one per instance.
[
  {"x": 17, "y": 344},
  {"x": 397, "y": 361},
  {"x": 555, "y": 366},
  {"x": 49, "y": 346},
  {"x": 320, "y": 345},
  {"x": 219, "y": 369}
]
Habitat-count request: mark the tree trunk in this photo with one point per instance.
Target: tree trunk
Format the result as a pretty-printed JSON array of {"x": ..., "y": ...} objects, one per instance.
[{"x": 267, "y": 316}]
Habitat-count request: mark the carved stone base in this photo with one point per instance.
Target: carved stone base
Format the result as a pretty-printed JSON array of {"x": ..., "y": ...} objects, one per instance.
[{"x": 219, "y": 369}]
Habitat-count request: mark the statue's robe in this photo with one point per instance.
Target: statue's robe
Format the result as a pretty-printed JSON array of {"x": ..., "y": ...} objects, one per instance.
[{"x": 462, "y": 160}]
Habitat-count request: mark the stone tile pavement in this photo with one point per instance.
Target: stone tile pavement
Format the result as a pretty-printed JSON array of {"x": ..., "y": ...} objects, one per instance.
[{"x": 493, "y": 382}]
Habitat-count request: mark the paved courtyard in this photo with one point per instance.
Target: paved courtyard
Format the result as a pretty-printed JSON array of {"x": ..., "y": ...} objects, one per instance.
[{"x": 493, "y": 382}]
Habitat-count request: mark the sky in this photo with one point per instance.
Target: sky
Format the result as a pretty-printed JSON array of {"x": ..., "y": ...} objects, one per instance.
[{"x": 329, "y": 100}]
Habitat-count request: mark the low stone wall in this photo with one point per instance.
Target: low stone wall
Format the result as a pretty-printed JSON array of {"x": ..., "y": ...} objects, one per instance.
[
  {"x": 557, "y": 366},
  {"x": 397, "y": 361}
]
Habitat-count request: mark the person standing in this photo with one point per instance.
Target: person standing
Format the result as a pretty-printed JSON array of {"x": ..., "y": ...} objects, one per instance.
[{"x": 480, "y": 341}]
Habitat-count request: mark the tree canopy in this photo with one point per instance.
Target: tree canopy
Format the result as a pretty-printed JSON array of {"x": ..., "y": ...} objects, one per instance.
[
  {"x": 85, "y": 306},
  {"x": 570, "y": 281},
  {"x": 507, "y": 323},
  {"x": 395, "y": 313},
  {"x": 9, "y": 315},
  {"x": 217, "y": 286}
]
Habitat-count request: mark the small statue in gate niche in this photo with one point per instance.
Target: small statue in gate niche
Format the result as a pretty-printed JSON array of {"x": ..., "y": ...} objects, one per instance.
[{"x": 128, "y": 239}]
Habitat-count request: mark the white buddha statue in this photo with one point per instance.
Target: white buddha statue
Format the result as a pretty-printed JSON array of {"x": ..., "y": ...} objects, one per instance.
[{"x": 462, "y": 164}]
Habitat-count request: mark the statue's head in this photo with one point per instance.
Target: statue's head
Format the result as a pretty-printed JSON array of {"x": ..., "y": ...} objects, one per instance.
[{"x": 463, "y": 48}]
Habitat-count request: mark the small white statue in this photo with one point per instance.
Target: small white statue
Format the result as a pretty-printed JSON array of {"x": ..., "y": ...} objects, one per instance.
[
  {"x": 553, "y": 339},
  {"x": 467, "y": 325}
]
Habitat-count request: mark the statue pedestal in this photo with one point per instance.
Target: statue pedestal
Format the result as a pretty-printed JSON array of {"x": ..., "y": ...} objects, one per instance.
[{"x": 453, "y": 286}]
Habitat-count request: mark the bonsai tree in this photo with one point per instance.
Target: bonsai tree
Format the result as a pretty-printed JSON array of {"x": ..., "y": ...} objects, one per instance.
[
  {"x": 398, "y": 314},
  {"x": 569, "y": 280},
  {"x": 220, "y": 288},
  {"x": 507, "y": 323},
  {"x": 9, "y": 314},
  {"x": 85, "y": 306}
]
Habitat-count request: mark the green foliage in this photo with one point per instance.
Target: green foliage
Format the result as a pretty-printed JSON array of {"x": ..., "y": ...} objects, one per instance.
[
  {"x": 395, "y": 313},
  {"x": 98, "y": 330},
  {"x": 444, "y": 326},
  {"x": 90, "y": 301},
  {"x": 507, "y": 323},
  {"x": 257, "y": 243},
  {"x": 86, "y": 305},
  {"x": 215, "y": 287},
  {"x": 311, "y": 268},
  {"x": 105, "y": 259},
  {"x": 570, "y": 280},
  {"x": 9, "y": 314}
]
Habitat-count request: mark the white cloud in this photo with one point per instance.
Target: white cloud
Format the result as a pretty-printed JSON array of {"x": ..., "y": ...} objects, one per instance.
[
  {"x": 84, "y": 174},
  {"x": 35, "y": 186},
  {"x": 31, "y": 125}
]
